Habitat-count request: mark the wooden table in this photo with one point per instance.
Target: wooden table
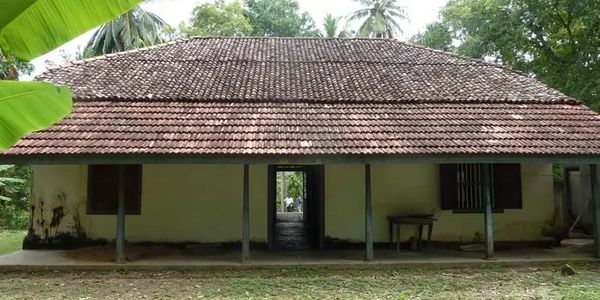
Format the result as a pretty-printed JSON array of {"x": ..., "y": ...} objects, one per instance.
[{"x": 418, "y": 220}]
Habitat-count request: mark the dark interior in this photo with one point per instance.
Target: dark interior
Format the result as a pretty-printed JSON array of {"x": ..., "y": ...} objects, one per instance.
[{"x": 299, "y": 229}]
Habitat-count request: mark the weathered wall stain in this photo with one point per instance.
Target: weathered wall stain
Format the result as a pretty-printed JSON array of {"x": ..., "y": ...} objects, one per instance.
[
  {"x": 50, "y": 227},
  {"x": 58, "y": 214}
]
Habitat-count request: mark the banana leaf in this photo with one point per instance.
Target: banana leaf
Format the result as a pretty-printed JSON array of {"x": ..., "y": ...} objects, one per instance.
[
  {"x": 30, "y": 28},
  {"x": 29, "y": 106}
]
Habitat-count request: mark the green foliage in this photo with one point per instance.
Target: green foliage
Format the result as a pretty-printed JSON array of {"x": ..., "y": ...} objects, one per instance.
[
  {"x": 289, "y": 183},
  {"x": 379, "y": 18},
  {"x": 279, "y": 18},
  {"x": 557, "y": 40},
  {"x": 10, "y": 66},
  {"x": 437, "y": 35},
  {"x": 11, "y": 241},
  {"x": 331, "y": 28},
  {"x": 136, "y": 28},
  {"x": 218, "y": 19},
  {"x": 15, "y": 186},
  {"x": 42, "y": 103},
  {"x": 295, "y": 184},
  {"x": 256, "y": 18},
  {"x": 29, "y": 28},
  {"x": 330, "y": 24}
]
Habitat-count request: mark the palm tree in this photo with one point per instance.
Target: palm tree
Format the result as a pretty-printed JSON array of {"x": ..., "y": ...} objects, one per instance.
[
  {"x": 380, "y": 18},
  {"x": 330, "y": 26},
  {"x": 135, "y": 29},
  {"x": 10, "y": 66}
]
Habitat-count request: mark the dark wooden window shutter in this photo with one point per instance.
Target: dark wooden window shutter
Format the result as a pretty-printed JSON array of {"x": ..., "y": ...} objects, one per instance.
[
  {"x": 507, "y": 186},
  {"x": 448, "y": 186},
  {"x": 103, "y": 191},
  {"x": 464, "y": 196}
]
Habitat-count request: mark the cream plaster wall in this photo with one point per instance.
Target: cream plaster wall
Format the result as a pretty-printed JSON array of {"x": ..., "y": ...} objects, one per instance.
[
  {"x": 413, "y": 189},
  {"x": 202, "y": 203},
  {"x": 179, "y": 202}
]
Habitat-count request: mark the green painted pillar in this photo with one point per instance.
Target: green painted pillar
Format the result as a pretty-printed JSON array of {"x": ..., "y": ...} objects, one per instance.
[
  {"x": 487, "y": 197},
  {"x": 595, "y": 208},
  {"x": 120, "y": 242},
  {"x": 246, "y": 217},
  {"x": 368, "y": 215}
]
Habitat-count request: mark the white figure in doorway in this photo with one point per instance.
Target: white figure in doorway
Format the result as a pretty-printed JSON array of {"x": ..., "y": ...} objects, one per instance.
[
  {"x": 287, "y": 203},
  {"x": 298, "y": 204}
]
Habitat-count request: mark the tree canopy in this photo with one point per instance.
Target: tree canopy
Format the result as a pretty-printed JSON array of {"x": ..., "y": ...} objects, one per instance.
[
  {"x": 557, "y": 40},
  {"x": 134, "y": 29},
  {"x": 331, "y": 27},
  {"x": 10, "y": 66},
  {"x": 15, "y": 185},
  {"x": 218, "y": 19},
  {"x": 279, "y": 18},
  {"x": 379, "y": 18}
]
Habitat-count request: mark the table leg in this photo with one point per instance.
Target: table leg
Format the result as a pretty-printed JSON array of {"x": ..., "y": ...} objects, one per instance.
[
  {"x": 398, "y": 238},
  {"x": 429, "y": 231},
  {"x": 420, "y": 237}
]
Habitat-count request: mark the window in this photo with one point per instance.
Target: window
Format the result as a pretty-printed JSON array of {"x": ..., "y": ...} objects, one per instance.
[
  {"x": 462, "y": 187},
  {"x": 103, "y": 181}
]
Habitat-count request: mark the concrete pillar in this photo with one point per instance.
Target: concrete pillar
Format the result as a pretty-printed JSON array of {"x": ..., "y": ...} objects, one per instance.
[
  {"x": 246, "y": 216},
  {"x": 368, "y": 215},
  {"x": 595, "y": 208},
  {"x": 120, "y": 242},
  {"x": 489, "y": 227}
]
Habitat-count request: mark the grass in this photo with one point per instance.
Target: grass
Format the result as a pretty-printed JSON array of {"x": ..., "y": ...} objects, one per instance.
[
  {"x": 11, "y": 240},
  {"x": 358, "y": 282}
]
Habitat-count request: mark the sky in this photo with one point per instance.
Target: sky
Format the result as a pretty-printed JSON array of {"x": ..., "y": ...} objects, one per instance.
[{"x": 419, "y": 12}]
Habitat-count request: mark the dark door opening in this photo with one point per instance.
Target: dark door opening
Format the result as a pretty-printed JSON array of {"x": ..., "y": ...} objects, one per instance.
[{"x": 295, "y": 207}]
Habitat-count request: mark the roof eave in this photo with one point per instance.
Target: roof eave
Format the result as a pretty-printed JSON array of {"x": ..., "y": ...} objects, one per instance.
[{"x": 85, "y": 159}]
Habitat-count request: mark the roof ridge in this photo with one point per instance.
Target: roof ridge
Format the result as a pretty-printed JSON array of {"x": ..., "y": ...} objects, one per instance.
[
  {"x": 313, "y": 61},
  {"x": 187, "y": 39},
  {"x": 481, "y": 61},
  {"x": 287, "y": 38},
  {"x": 561, "y": 101},
  {"x": 73, "y": 62}
]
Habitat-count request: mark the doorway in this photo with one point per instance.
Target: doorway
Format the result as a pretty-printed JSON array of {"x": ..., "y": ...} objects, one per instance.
[{"x": 295, "y": 207}]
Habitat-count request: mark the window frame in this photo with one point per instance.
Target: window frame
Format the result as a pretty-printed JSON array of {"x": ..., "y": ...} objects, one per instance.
[
  {"x": 482, "y": 209},
  {"x": 137, "y": 201},
  {"x": 455, "y": 203}
]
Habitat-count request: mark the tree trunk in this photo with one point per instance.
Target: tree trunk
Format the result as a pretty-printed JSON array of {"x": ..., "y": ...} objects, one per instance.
[{"x": 283, "y": 191}]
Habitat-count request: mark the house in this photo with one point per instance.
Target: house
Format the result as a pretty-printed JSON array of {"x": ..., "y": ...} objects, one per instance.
[{"x": 181, "y": 143}]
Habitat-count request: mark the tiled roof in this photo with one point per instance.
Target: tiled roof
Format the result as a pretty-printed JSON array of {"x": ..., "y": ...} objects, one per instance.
[
  {"x": 285, "y": 96},
  {"x": 318, "y": 128},
  {"x": 295, "y": 69}
]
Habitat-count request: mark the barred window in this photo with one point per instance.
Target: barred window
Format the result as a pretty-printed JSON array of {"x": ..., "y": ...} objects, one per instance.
[
  {"x": 462, "y": 187},
  {"x": 470, "y": 187}
]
